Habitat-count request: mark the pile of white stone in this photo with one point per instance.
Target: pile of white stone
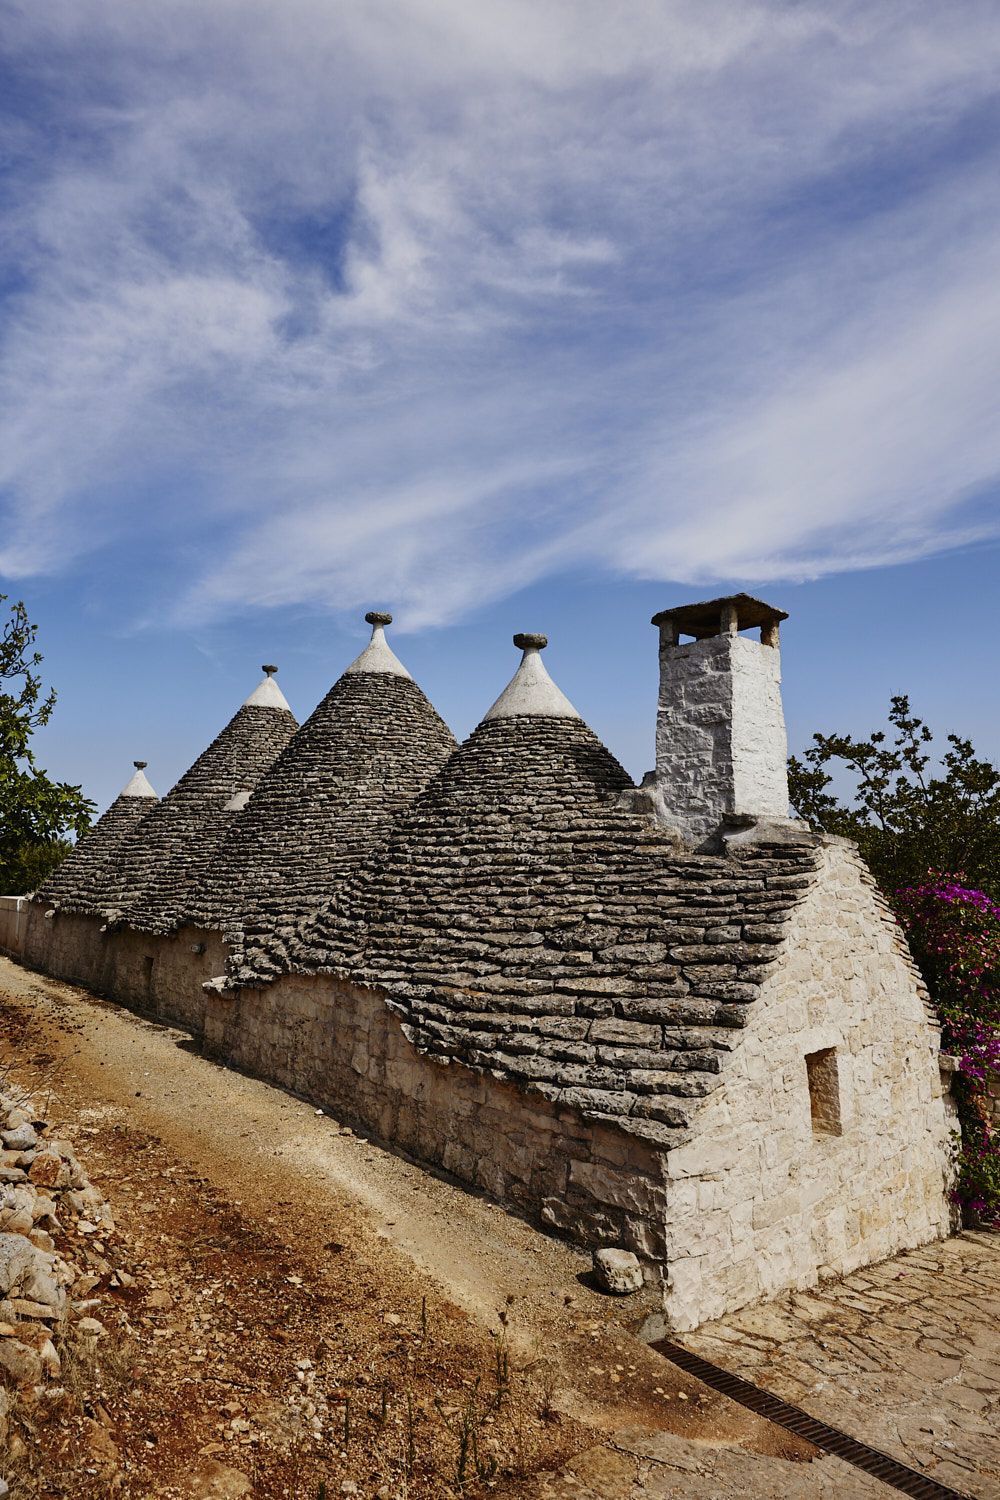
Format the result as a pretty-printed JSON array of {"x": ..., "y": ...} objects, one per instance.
[{"x": 44, "y": 1191}]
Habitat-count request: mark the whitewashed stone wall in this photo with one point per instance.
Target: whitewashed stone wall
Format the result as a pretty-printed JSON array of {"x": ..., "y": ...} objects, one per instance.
[
  {"x": 762, "y": 1200},
  {"x": 721, "y": 746},
  {"x": 339, "y": 1046}
]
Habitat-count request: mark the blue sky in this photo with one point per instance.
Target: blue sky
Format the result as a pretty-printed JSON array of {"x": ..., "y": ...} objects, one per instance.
[{"x": 515, "y": 315}]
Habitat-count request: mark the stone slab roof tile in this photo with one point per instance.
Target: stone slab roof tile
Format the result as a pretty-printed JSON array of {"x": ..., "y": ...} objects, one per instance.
[
  {"x": 78, "y": 884},
  {"x": 160, "y": 864},
  {"x": 327, "y": 801},
  {"x": 523, "y": 923}
]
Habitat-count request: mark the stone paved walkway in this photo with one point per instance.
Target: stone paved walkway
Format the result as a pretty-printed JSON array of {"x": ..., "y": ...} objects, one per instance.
[{"x": 904, "y": 1356}]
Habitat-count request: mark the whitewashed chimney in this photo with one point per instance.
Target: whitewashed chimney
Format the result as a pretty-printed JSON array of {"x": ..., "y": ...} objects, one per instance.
[{"x": 721, "y": 748}]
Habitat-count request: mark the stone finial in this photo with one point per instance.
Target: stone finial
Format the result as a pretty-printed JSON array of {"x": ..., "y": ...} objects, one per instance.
[
  {"x": 139, "y": 786},
  {"x": 378, "y": 655},
  {"x": 531, "y": 689},
  {"x": 267, "y": 694}
]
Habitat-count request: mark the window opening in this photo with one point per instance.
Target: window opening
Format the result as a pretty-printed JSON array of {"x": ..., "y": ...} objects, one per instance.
[{"x": 824, "y": 1091}]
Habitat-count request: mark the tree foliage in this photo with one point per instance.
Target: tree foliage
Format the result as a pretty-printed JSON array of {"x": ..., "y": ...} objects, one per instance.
[
  {"x": 36, "y": 814},
  {"x": 906, "y": 820}
]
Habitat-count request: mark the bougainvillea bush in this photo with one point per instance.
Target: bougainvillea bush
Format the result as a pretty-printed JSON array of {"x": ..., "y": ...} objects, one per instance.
[{"x": 954, "y": 933}]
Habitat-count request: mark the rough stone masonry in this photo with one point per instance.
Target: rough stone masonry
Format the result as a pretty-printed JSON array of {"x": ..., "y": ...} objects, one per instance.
[{"x": 666, "y": 1018}]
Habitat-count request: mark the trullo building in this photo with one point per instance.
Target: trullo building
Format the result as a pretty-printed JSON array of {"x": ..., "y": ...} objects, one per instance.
[{"x": 667, "y": 1017}]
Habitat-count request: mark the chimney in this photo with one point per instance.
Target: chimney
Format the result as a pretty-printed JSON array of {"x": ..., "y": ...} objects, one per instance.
[{"x": 720, "y": 731}]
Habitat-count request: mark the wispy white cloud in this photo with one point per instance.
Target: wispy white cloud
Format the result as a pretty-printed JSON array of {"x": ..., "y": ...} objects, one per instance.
[{"x": 421, "y": 300}]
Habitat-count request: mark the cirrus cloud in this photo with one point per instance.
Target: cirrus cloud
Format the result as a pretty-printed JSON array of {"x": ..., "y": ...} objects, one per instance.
[{"x": 424, "y": 301}]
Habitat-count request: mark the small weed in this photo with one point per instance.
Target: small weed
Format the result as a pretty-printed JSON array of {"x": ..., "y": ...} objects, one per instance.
[
  {"x": 501, "y": 1367},
  {"x": 467, "y": 1430}
]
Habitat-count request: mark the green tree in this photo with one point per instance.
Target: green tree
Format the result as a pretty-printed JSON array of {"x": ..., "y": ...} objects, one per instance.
[
  {"x": 906, "y": 820},
  {"x": 36, "y": 814}
]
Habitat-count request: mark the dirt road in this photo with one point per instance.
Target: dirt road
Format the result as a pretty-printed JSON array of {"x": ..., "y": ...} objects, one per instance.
[{"x": 283, "y": 1199}]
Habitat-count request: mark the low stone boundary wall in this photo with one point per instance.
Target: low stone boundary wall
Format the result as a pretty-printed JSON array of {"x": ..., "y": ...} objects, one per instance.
[
  {"x": 13, "y": 923},
  {"x": 340, "y": 1046}
]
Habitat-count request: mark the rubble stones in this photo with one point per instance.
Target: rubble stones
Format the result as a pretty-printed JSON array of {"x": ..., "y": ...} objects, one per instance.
[
  {"x": 49, "y": 1170},
  {"x": 16, "y": 1260},
  {"x": 21, "y": 1362},
  {"x": 33, "y": 1278}
]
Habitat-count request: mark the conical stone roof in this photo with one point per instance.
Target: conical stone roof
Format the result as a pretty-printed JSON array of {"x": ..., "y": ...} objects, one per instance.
[
  {"x": 524, "y": 921},
  {"x": 327, "y": 801},
  {"x": 160, "y": 865},
  {"x": 76, "y": 886}
]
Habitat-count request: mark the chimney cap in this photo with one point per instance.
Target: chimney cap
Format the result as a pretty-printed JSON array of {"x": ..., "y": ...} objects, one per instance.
[{"x": 705, "y": 619}]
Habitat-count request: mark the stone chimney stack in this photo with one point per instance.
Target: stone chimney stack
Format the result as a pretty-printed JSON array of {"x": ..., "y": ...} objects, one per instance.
[{"x": 720, "y": 731}]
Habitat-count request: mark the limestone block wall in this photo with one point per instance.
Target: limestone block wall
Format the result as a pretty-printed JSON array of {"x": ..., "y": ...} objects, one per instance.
[
  {"x": 13, "y": 924},
  {"x": 828, "y": 1146},
  {"x": 720, "y": 732},
  {"x": 66, "y": 946},
  {"x": 161, "y": 976},
  {"x": 164, "y": 976},
  {"x": 340, "y": 1046}
]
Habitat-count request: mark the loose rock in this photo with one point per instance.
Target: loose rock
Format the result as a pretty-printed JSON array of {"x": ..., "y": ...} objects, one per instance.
[
  {"x": 24, "y": 1364},
  {"x": 618, "y": 1271}
]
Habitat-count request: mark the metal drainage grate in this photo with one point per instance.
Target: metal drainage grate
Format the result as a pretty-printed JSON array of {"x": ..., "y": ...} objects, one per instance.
[{"x": 830, "y": 1439}]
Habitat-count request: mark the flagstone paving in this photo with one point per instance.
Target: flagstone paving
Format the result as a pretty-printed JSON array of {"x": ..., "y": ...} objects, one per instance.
[{"x": 904, "y": 1356}]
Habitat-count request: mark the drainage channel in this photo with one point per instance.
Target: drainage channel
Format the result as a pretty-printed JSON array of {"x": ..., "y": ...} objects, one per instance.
[{"x": 818, "y": 1433}]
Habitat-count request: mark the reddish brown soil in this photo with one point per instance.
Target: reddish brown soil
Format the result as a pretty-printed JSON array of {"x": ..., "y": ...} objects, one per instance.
[{"x": 245, "y": 1264}]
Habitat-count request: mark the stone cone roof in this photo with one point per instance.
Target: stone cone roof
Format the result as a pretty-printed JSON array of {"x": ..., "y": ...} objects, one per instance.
[
  {"x": 78, "y": 883},
  {"x": 524, "y": 921},
  {"x": 160, "y": 865},
  {"x": 327, "y": 801}
]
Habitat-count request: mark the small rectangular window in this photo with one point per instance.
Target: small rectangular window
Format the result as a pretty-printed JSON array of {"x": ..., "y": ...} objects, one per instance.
[{"x": 824, "y": 1091}]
